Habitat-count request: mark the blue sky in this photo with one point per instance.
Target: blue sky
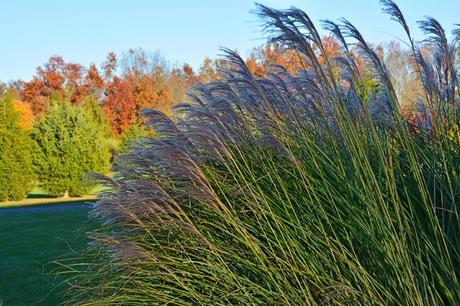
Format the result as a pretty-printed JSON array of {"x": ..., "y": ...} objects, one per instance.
[{"x": 85, "y": 31}]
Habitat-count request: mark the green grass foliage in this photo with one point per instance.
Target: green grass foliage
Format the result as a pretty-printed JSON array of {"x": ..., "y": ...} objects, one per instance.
[{"x": 33, "y": 239}]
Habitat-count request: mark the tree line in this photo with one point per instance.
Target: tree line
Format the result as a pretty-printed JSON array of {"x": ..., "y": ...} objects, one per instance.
[{"x": 70, "y": 120}]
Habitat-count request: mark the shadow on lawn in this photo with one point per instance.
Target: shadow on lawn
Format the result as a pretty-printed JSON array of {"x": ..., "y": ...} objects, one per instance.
[{"x": 41, "y": 196}]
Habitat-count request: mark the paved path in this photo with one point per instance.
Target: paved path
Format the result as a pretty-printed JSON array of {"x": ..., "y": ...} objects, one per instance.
[{"x": 38, "y": 201}]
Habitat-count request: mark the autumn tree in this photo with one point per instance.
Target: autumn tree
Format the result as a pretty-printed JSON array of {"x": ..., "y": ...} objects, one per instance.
[
  {"x": 16, "y": 149},
  {"x": 26, "y": 116},
  {"x": 179, "y": 82},
  {"x": 58, "y": 78},
  {"x": 109, "y": 67},
  {"x": 123, "y": 88},
  {"x": 119, "y": 106},
  {"x": 177, "y": 85},
  {"x": 35, "y": 94},
  {"x": 269, "y": 54},
  {"x": 272, "y": 54},
  {"x": 149, "y": 77},
  {"x": 209, "y": 70},
  {"x": 403, "y": 73},
  {"x": 331, "y": 49},
  {"x": 94, "y": 83}
]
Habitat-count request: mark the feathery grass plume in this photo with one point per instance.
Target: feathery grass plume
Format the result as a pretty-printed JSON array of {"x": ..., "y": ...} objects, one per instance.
[
  {"x": 392, "y": 9},
  {"x": 444, "y": 55},
  {"x": 287, "y": 190},
  {"x": 438, "y": 74},
  {"x": 456, "y": 34}
]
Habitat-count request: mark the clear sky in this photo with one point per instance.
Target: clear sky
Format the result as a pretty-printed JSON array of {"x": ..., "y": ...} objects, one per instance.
[{"x": 85, "y": 31}]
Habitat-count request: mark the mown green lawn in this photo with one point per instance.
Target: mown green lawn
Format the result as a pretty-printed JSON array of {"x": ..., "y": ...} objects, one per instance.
[{"x": 30, "y": 240}]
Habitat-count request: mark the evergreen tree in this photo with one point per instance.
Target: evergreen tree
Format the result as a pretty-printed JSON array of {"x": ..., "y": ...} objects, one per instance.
[
  {"x": 132, "y": 135},
  {"x": 71, "y": 145},
  {"x": 16, "y": 149},
  {"x": 99, "y": 122}
]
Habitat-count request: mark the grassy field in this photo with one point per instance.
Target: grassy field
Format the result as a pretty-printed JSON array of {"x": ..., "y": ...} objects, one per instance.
[{"x": 31, "y": 239}]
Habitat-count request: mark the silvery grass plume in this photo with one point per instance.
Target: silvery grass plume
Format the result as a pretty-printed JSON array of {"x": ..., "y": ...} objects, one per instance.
[{"x": 302, "y": 189}]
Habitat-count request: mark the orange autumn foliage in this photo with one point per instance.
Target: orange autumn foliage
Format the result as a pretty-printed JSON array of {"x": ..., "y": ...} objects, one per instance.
[
  {"x": 123, "y": 89},
  {"x": 58, "y": 77},
  {"x": 35, "y": 93},
  {"x": 148, "y": 92},
  {"x": 119, "y": 107},
  {"x": 262, "y": 58},
  {"x": 26, "y": 114},
  {"x": 331, "y": 48}
]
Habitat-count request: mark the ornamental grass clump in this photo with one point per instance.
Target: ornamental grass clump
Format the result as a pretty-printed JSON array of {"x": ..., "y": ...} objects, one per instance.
[{"x": 304, "y": 189}]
